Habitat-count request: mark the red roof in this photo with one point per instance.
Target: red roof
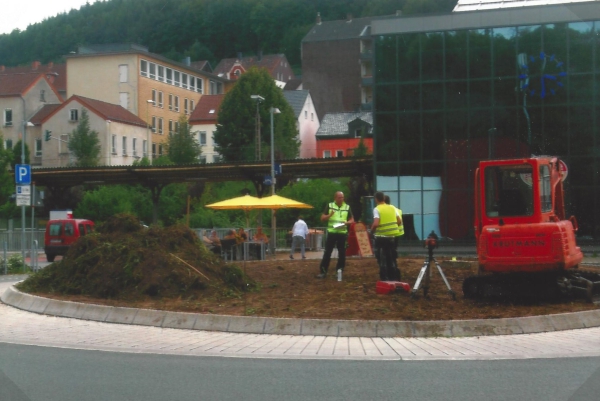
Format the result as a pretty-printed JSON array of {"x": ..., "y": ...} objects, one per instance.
[
  {"x": 17, "y": 84},
  {"x": 107, "y": 111},
  {"x": 57, "y": 73},
  {"x": 44, "y": 112},
  {"x": 270, "y": 62},
  {"x": 207, "y": 109}
]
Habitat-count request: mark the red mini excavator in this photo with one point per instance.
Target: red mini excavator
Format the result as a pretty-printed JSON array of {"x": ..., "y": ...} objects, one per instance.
[{"x": 525, "y": 245}]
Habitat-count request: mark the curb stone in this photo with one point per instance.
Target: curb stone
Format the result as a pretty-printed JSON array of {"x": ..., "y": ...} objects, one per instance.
[{"x": 301, "y": 327}]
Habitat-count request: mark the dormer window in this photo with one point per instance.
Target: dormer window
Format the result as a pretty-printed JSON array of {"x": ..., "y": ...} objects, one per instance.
[{"x": 42, "y": 96}]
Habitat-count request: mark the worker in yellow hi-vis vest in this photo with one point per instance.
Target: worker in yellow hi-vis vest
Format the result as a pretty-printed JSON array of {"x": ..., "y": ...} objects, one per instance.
[
  {"x": 385, "y": 229},
  {"x": 338, "y": 216},
  {"x": 400, "y": 230}
]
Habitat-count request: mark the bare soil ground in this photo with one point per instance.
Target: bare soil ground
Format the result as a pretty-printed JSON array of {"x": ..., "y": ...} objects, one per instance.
[{"x": 288, "y": 288}]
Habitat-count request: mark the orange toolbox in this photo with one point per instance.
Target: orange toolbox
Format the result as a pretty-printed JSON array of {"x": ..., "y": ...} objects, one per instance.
[{"x": 387, "y": 287}]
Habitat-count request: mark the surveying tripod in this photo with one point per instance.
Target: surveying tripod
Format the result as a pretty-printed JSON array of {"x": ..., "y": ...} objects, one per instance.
[{"x": 425, "y": 273}]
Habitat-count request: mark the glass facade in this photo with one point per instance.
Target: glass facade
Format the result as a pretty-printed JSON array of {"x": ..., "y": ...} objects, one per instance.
[{"x": 446, "y": 100}]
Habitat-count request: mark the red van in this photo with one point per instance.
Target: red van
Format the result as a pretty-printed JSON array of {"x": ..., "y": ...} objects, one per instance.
[{"x": 60, "y": 234}]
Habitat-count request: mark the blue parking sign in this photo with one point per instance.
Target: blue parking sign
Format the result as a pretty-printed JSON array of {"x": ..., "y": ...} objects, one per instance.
[{"x": 23, "y": 174}]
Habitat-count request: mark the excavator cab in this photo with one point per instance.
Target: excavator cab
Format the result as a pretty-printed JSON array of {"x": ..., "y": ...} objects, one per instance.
[{"x": 521, "y": 229}]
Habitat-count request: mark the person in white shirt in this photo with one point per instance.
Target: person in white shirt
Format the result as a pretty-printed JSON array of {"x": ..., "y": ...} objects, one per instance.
[{"x": 299, "y": 232}]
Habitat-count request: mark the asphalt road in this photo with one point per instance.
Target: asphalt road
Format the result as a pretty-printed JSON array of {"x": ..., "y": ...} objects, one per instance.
[{"x": 29, "y": 373}]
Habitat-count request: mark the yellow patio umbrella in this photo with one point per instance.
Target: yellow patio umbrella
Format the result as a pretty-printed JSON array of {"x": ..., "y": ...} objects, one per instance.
[
  {"x": 280, "y": 202},
  {"x": 246, "y": 202}
]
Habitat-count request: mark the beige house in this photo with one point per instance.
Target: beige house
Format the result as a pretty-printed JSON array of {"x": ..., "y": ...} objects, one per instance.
[
  {"x": 152, "y": 87},
  {"x": 203, "y": 122},
  {"x": 22, "y": 95},
  {"x": 123, "y": 136}
]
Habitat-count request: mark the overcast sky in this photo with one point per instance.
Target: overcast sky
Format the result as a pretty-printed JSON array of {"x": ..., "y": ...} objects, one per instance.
[{"x": 20, "y": 13}]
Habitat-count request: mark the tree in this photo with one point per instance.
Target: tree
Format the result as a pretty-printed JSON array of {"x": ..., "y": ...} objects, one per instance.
[
  {"x": 182, "y": 147},
  {"x": 16, "y": 155},
  {"x": 236, "y": 129},
  {"x": 84, "y": 143},
  {"x": 7, "y": 183}
]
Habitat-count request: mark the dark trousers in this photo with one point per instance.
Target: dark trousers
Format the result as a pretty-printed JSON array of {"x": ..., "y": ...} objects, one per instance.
[
  {"x": 334, "y": 240},
  {"x": 385, "y": 249}
]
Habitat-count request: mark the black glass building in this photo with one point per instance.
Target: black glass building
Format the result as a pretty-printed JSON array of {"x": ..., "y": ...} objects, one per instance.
[{"x": 451, "y": 90}]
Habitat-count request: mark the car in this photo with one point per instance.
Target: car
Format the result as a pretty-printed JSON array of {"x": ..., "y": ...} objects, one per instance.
[{"x": 62, "y": 233}]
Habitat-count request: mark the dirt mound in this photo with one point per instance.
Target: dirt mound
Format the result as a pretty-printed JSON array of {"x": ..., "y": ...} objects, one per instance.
[{"x": 125, "y": 260}]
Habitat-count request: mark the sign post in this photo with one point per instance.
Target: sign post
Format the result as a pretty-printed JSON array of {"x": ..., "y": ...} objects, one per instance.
[{"x": 23, "y": 178}]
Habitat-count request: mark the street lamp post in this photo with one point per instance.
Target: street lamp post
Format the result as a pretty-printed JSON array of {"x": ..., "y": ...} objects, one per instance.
[
  {"x": 149, "y": 141},
  {"x": 257, "y": 150},
  {"x": 273, "y": 110},
  {"x": 25, "y": 125}
]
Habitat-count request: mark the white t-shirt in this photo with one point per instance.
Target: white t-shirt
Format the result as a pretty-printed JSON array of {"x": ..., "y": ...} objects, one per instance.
[{"x": 300, "y": 229}]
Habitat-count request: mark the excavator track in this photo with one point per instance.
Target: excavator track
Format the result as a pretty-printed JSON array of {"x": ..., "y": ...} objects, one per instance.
[{"x": 527, "y": 287}]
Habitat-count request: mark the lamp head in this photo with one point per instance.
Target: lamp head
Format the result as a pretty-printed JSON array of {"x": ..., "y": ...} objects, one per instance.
[
  {"x": 258, "y": 98},
  {"x": 275, "y": 110}
]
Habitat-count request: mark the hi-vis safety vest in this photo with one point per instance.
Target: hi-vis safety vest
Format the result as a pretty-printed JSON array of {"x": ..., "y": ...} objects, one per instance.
[
  {"x": 340, "y": 215},
  {"x": 401, "y": 226},
  {"x": 388, "y": 225}
]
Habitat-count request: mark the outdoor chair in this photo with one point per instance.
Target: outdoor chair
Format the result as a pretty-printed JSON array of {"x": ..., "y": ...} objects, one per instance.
[{"x": 228, "y": 248}]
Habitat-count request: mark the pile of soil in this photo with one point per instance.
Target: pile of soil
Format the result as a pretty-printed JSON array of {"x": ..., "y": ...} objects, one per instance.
[
  {"x": 125, "y": 261},
  {"x": 125, "y": 264}
]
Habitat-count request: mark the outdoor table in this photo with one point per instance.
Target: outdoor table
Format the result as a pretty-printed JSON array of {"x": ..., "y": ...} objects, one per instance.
[{"x": 248, "y": 249}]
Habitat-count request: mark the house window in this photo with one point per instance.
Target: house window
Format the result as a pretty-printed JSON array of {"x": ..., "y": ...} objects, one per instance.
[
  {"x": 160, "y": 150},
  {"x": 161, "y": 73},
  {"x": 123, "y": 72},
  {"x": 154, "y": 124},
  {"x": 191, "y": 106},
  {"x": 176, "y": 126},
  {"x": 160, "y": 125},
  {"x": 153, "y": 97},
  {"x": 312, "y": 116},
  {"x": 38, "y": 147},
  {"x": 216, "y": 159},
  {"x": 305, "y": 114},
  {"x": 184, "y": 80},
  {"x": 152, "y": 70},
  {"x": 170, "y": 127},
  {"x": 8, "y": 120},
  {"x": 145, "y": 148},
  {"x": 8, "y": 144},
  {"x": 124, "y": 146},
  {"x": 42, "y": 96},
  {"x": 114, "y": 144},
  {"x": 186, "y": 109},
  {"x": 177, "y": 103},
  {"x": 73, "y": 115},
  {"x": 169, "y": 76},
  {"x": 326, "y": 153},
  {"x": 237, "y": 73},
  {"x": 134, "y": 146},
  {"x": 160, "y": 99},
  {"x": 153, "y": 150},
  {"x": 192, "y": 83},
  {"x": 199, "y": 84},
  {"x": 176, "y": 78},
  {"x": 170, "y": 102},
  {"x": 202, "y": 159},
  {"x": 144, "y": 68},
  {"x": 339, "y": 153},
  {"x": 202, "y": 138},
  {"x": 124, "y": 100}
]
